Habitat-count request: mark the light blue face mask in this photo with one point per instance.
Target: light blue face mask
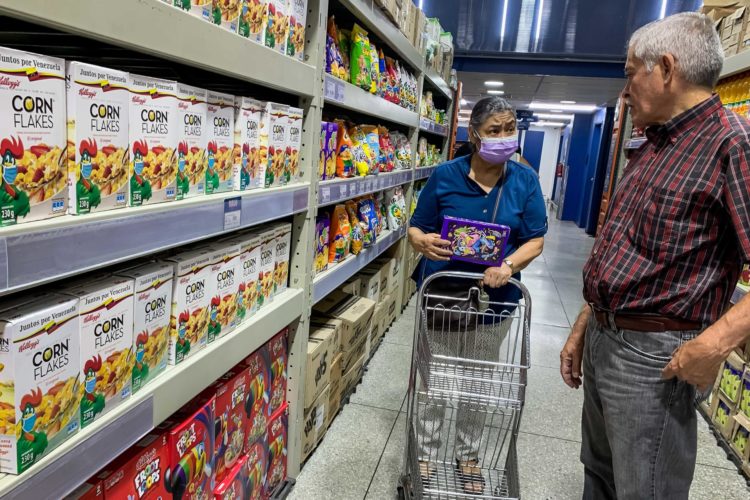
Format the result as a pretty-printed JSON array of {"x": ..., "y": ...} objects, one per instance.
[
  {"x": 182, "y": 331},
  {"x": 86, "y": 168},
  {"x": 28, "y": 422},
  {"x": 211, "y": 161},
  {"x": 139, "y": 355},
  {"x": 90, "y": 384},
  {"x": 138, "y": 167},
  {"x": 214, "y": 313},
  {"x": 10, "y": 170}
]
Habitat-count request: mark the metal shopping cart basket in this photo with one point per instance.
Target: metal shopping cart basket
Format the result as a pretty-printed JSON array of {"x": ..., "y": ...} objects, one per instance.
[{"x": 466, "y": 393}]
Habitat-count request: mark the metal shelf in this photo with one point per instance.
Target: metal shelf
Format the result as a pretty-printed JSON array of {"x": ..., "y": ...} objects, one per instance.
[
  {"x": 424, "y": 172},
  {"x": 68, "y": 466},
  {"x": 736, "y": 64},
  {"x": 436, "y": 81},
  {"x": 739, "y": 293},
  {"x": 346, "y": 95},
  {"x": 336, "y": 190},
  {"x": 427, "y": 125},
  {"x": 140, "y": 25},
  {"x": 376, "y": 22},
  {"x": 327, "y": 281},
  {"x": 38, "y": 252}
]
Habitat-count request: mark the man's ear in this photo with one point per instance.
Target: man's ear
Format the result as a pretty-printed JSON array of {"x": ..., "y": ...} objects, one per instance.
[{"x": 667, "y": 64}]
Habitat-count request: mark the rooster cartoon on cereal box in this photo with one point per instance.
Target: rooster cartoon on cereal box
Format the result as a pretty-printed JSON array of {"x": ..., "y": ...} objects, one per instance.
[{"x": 11, "y": 196}]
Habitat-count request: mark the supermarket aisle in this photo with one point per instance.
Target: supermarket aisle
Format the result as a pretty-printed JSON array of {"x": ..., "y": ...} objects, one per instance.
[{"x": 360, "y": 457}]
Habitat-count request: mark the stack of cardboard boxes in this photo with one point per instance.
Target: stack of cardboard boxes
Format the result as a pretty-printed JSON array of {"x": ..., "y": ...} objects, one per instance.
[
  {"x": 730, "y": 404},
  {"x": 731, "y": 18}
]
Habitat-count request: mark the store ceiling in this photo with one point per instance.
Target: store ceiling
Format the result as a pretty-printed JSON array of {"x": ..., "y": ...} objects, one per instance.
[{"x": 523, "y": 89}]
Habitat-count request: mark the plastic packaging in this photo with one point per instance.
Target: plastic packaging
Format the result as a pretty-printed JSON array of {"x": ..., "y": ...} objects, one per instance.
[
  {"x": 368, "y": 219},
  {"x": 372, "y": 138},
  {"x": 361, "y": 153},
  {"x": 387, "y": 156},
  {"x": 360, "y": 59},
  {"x": 344, "y": 151},
  {"x": 322, "y": 237},
  {"x": 340, "y": 235},
  {"x": 357, "y": 230},
  {"x": 374, "y": 69}
]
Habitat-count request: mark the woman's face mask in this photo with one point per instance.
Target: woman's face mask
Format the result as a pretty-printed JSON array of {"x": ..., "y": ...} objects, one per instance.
[{"x": 497, "y": 150}]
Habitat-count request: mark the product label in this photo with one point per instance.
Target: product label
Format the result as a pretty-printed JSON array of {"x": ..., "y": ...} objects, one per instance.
[
  {"x": 192, "y": 159},
  {"x": 220, "y": 168},
  {"x": 189, "y": 319}
]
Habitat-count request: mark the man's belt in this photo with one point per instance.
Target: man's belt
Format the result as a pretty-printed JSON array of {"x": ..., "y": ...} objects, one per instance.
[{"x": 642, "y": 322}]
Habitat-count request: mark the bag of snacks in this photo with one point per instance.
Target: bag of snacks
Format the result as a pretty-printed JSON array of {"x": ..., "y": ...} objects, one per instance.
[
  {"x": 374, "y": 69},
  {"x": 392, "y": 90},
  {"x": 369, "y": 220},
  {"x": 402, "y": 150},
  {"x": 378, "y": 214},
  {"x": 361, "y": 156},
  {"x": 396, "y": 208},
  {"x": 387, "y": 153},
  {"x": 339, "y": 236},
  {"x": 422, "y": 160},
  {"x": 344, "y": 42},
  {"x": 357, "y": 230},
  {"x": 383, "y": 74},
  {"x": 322, "y": 236},
  {"x": 372, "y": 138},
  {"x": 360, "y": 55},
  {"x": 383, "y": 201},
  {"x": 344, "y": 153}
]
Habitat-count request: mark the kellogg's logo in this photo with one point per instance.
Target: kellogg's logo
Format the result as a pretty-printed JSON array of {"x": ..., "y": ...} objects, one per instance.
[
  {"x": 84, "y": 92},
  {"x": 91, "y": 317},
  {"x": 29, "y": 344},
  {"x": 5, "y": 81},
  {"x": 139, "y": 100}
]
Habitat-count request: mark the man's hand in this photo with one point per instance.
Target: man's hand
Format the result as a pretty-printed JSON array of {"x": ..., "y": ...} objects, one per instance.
[
  {"x": 571, "y": 356},
  {"x": 433, "y": 247},
  {"x": 495, "y": 277},
  {"x": 696, "y": 362}
]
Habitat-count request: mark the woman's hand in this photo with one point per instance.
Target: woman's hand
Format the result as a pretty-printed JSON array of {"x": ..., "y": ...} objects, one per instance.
[
  {"x": 432, "y": 246},
  {"x": 495, "y": 277}
]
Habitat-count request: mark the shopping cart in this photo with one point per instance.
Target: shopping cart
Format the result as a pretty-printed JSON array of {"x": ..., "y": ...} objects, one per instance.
[{"x": 466, "y": 393}]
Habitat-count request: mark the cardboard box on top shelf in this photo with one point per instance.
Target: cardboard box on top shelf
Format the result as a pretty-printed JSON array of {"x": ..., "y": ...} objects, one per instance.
[
  {"x": 418, "y": 30},
  {"x": 722, "y": 411},
  {"x": 319, "y": 357},
  {"x": 740, "y": 439},
  {"x": 335, "y": 325},
  {"x": 314, "y": 424},
  {"x": 354, "y": 312},
  {"x": 370, "y": 283},
  {"x": 744, "y": 43},
  {"x": 733, "y": 39},
  {"x": 353, "y": 375}
]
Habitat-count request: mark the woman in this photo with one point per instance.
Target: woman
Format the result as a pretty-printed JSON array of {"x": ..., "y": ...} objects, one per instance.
[{"x": 484, "y": 186}]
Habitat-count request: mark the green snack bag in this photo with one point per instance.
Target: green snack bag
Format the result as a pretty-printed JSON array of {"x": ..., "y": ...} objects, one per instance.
[
  {"x": 374, "y": 69},
  {"x": 360, "y": 58}
]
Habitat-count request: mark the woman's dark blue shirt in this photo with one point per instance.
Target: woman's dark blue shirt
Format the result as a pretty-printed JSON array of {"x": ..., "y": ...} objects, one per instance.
[{"x": 450, "y": 191}]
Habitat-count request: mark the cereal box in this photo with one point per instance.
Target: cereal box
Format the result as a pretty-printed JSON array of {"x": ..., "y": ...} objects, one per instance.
[
  {"x": 223, "y": 286},
  {"x": 153, "y": 140},
  {"x": 142, "y": 470},
  {"x": 276, "y": 439},
  {"x": 226, "y": 13},
  {"x": 252, "y": 19},
  {"x": 191, "y": 452},
  {"x": 292, "y": 173},
  {"x": 256, "y": 468},
  {"x": 277, "y": 349},
  {"x": 39, "y": 377},
  {"x": 152, "y": 307},
  {"x": 220, "y": 171},
  {"x": 247, "y": 144},
  {"x": 231, "y": 394},
  {"x": 97, "y": 151},
  {"x": 281, "y": 257},
  {"x": 188, "y": 323},
  {"x": 267, "y": 265},
  {"x": 192, "y": 117},
  {"x": 257, "y": 409},
  {"x": 273, "y": 135},
  {"x": 249, "y": 268},
  {"x": 295, "y": 45},
  {"x": 199, "y": 8},
  {"x": 232, "y": 486},
  {"x": 32, "y": 137},
  {"x": 106, "y": 328},
  {"x": 276, "y": 30},
  {"x": 92, "y": 489}
]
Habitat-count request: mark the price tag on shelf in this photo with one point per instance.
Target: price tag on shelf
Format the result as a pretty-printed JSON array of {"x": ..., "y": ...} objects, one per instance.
[
  {"x": 232, "y": 213},
  {"x": 344, "y": 191},
  {"x": 333, "y": 89},
  {"x": 325, "y": 194}
]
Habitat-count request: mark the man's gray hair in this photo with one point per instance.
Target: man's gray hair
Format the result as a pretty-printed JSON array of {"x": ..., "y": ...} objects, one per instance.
[
  {"x": 693, "y": 41},
  {"x": 484, "y": 108}
]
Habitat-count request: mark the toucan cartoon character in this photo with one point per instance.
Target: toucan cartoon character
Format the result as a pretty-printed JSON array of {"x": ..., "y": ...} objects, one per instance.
[
  {"x": 11, "y": 196},
  {"x": 183, "y": 343},
  {"x": 92, "y": 403},
  {"x": 183, "y": 180},
  {"x": 140, "y": 369},
  {"x": 212, "y": 176},
  {"x": 31, "y": 442},
  {"x": 138, "y": 183},
  {"x": 89, "y": 195}
]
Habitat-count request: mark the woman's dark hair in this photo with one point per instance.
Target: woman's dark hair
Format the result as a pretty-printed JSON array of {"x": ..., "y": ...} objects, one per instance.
[{"x": 484, "y": 108}]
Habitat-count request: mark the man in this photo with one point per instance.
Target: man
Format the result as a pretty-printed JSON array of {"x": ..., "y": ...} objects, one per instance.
[{"x": 661, "y": 273}]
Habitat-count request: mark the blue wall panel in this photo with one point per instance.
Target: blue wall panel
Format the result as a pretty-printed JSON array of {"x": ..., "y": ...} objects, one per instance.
[
  {"x": 580, "y": 141},
  {"x": 532, "y": 148}
]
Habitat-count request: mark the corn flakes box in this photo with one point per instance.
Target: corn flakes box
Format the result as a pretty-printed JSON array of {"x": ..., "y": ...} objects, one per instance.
[
  {"x": 276, "y": 25},
  {"x": 292, "y": 172},
  {"x": 106, "y": 344},
  {"x": 281, "y": 257},
  {"x": 247, "y": 144},
  {"x": 32, "y": 137},
  {"x": 188, "y": 323},
  {"x": 153, "y": 140},
  {"x": 192, "y": 159},
  {"x": 267, "y": 265},
  {"x": 276, "y": 439},
  {"x": 152, "y": 307},
  {"x": 97, "y": 127},
  {"x": 223, "y": 282},
  {"x": 232, "y": 486},
  {"x": 248, "y": 286},
  {"x": 273, "y": 137},
  {"x": 231, "y": 395},
  {"x": 191, "y": 451},
  {"x": 226, "y": 13},
  {"x": 141, "y": 471},
  {"x": 295, "y": 44},
  {"x": 276, "y": 350},
  {"x": 256, "y": 468},
  {"x": 257, "y": 408},
  {"x": 252, "y": 19},
  {"x": 220, "y": 171},
  {"x": 199, "y": 8},
  {"x": 39, "y": 379}
]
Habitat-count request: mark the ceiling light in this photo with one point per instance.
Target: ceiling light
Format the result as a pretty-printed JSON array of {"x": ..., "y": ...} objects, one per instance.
[
  {"x": 556, "y": 111},
  {"x": 568, "y": 102},
  {"x": 493, "y": 83},
  {"x": 464, "y": 102},
  {"x": 496, "y": 92},
  {"x": 549, "y": 116},
  {"x": 549, "y": 124},
  {"x": 579, "y": 108}
]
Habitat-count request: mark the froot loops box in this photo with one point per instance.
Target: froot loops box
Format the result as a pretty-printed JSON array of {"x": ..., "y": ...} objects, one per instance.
[
  {"x": 276, "y": 439},
  {"x": 257, "y": 411},
  {"x": 231, "y": 395},
  {"x": 255, "y": 470},
  {"x": 191, "y": 454},
  {"x": 277, "y": 358},
  {"x": 476, "y": 242},
  {"x": 234, "y": 484}
]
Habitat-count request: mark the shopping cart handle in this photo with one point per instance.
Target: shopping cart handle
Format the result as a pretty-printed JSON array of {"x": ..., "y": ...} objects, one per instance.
[{"x": 464, "y": 275}]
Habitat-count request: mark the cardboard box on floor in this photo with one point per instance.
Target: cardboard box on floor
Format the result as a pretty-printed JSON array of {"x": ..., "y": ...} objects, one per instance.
[
  {"x": 335, "y": 388},
  {"x": 378, "y": 318},
  {"x": 335, "y": 325},
  {"x": 314, "y": 425},
  {"x": 722, "y": 413},
  {"x": 740, "y": 441},
  {"x": 319, "y": 357},
  {"x": 389, "y": 272},
  {"x": 354, "y": 312},
  {"x": 354, "y": 352},
  {"x": 352, "y": 286},
  {"x": 391, "y": 311},
  {"x": 370, "y": 283},
  {"x": 735, "y": 367},
  {"x": 351, "y": 377}
]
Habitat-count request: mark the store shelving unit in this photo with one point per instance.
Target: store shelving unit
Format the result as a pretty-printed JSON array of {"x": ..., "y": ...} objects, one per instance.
[
  {"x": 42, "y": 252},
  {"x": 427, "y": 125},
  {"x": 736, "y": 64}
]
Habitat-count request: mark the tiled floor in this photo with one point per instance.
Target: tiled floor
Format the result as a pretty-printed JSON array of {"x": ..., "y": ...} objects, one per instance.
[{"x": 362, "y": 453}]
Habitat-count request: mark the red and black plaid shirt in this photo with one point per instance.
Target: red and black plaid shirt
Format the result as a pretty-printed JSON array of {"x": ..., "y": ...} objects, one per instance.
[{"x": 678, "y": 228}]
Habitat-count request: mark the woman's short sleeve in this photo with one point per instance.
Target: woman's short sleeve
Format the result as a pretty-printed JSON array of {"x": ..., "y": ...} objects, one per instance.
[
  {"x": 425, "y": 216},
  {"x": 534, "y": 218}
]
